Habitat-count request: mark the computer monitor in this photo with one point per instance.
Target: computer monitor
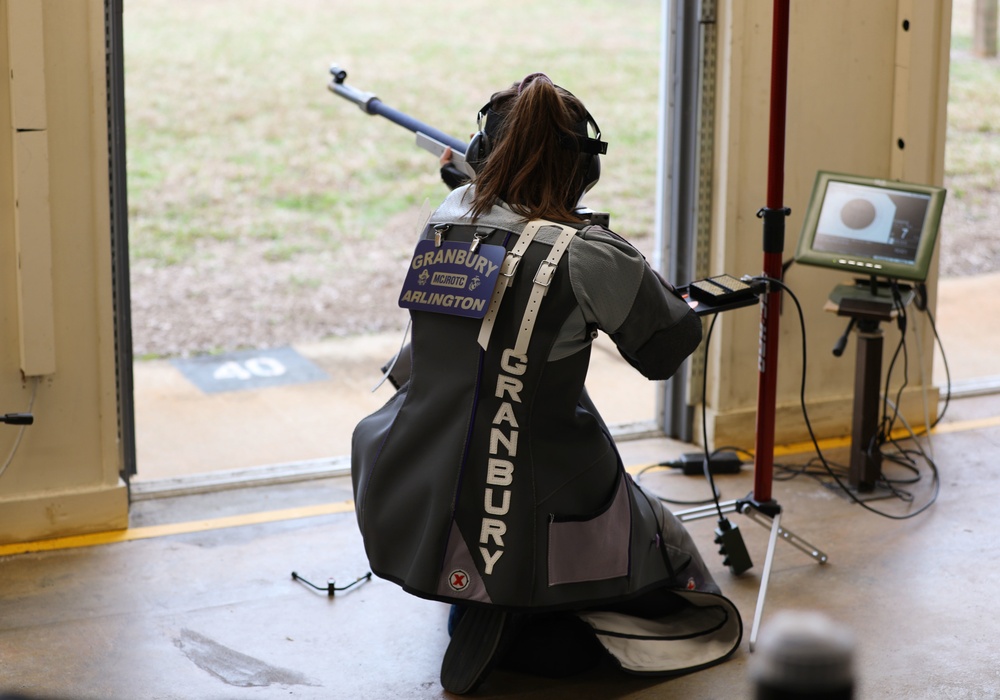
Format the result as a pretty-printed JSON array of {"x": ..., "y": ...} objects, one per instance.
[{"x": 869, "y": 226}]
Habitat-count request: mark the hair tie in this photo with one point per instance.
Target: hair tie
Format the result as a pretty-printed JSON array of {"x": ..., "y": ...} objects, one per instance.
[{"x": 529, "y": 78}]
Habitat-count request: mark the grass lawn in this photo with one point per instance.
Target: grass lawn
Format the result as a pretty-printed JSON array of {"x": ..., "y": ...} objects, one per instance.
[{"x": 232, "y": 134}]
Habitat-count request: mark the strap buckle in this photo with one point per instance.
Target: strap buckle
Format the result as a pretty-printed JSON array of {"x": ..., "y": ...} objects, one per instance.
[
  {"x": 509, "y": 266},
  {"x": 546, "y": 270}
]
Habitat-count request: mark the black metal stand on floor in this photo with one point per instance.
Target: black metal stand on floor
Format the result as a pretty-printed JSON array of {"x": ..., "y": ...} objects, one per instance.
[
  {"x": 865, "y": 464},
  {"x": 867, "y": 304},
  {"x": 331, "y": 587}
]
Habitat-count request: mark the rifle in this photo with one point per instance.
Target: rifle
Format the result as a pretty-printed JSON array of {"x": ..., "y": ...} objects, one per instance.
[{"x": 428, "y": 138}]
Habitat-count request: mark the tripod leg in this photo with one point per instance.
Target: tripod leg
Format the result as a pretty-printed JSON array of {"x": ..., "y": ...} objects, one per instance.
[
  {"x": 762, "y": 593},
  {"x": 789, "y": 537},
  {"x": 709, "y": 511}
]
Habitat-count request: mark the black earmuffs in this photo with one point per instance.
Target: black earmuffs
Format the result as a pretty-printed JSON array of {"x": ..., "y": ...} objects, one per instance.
[{"x": 587, "y": 142}]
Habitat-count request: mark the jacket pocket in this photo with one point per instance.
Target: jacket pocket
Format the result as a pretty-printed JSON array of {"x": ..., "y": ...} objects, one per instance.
[{"x": 594, "y": 548}]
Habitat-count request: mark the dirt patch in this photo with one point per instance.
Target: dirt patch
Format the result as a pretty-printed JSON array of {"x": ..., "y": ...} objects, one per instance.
[{"x": 230, "y": 296}]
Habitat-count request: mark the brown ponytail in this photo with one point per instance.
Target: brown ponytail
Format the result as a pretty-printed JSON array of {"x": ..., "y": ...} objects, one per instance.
[{"x": 530, "y": 166}]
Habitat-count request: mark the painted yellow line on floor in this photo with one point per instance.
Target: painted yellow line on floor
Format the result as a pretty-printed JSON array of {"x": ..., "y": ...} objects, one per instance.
[
  {"x": 151, "y": 531},
  {"x": 941, "y": 429},
  {"x": 273, "y": 516},
  {"x": 807, "y": 447}
]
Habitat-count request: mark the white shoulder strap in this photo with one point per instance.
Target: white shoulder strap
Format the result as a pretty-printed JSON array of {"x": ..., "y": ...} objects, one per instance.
[{"x": 542, "y": 280}]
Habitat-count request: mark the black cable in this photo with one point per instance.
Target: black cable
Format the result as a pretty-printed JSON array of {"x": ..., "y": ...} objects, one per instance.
[
  {"x": 947, "y": 370},
  {"x": 901, "y": 322},
  {"x": 23, "y": 420},
  {"x": 704, "y": 420},
  {"x": 812, "y": 469},
  {"x": 716, "y": 494},
  {"x": 902, "y": 457},
  {"x": 922, "y": 306},
  {"x": 812, "y": 434},
  {"x": 672, "y": 501},
  {"x": 887, "y": 425}
]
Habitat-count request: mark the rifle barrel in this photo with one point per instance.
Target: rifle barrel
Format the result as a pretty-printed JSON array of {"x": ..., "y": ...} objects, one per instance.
[{"x": 371, "y": 104}]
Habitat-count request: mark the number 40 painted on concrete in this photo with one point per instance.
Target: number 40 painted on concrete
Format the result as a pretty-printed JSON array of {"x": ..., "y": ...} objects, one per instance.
[{"x": 250, "y": 368}]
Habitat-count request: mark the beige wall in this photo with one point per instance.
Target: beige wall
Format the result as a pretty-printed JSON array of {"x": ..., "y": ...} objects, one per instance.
[
  {"x": 858, "y": 82},
  {"x": 56, "y": 310}
]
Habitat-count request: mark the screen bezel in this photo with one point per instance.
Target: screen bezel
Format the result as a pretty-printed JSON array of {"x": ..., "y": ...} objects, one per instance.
[{"x": 916, "y": 271}]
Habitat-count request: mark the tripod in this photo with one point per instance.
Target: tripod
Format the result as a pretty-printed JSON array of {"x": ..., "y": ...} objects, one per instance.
[{"x": 768, "y": 516}]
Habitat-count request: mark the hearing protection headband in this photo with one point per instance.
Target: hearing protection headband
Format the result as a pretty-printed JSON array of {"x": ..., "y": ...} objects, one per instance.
[{"x": 583, "y": 142}]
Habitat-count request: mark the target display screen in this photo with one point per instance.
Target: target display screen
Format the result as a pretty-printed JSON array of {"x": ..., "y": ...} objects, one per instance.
[{"x": 869, "y": 226}]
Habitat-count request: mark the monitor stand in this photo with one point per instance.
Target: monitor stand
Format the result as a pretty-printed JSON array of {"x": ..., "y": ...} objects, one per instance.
[{"x": 867, "y": 304}]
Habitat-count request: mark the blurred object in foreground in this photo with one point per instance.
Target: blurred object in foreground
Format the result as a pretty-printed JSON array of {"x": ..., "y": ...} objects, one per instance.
[{"x": 803, "y": 655}]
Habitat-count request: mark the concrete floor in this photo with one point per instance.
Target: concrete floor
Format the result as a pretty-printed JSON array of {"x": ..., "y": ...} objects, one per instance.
[
  {"x": 201, "y": 604},
  {"x": 196, "y": 599}
]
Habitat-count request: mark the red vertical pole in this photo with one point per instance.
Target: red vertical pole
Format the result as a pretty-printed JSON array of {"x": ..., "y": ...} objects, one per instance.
[
  {"x": 779, "y": 91},
  {"x": 774, "y": 241}
]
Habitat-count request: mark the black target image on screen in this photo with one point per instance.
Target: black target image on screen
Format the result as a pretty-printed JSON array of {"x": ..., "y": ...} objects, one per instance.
[{"x": 872, "y": 226}]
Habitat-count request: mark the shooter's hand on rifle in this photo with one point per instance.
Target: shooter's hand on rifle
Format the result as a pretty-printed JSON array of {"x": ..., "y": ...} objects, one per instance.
[{"x": 452, "y": 175}]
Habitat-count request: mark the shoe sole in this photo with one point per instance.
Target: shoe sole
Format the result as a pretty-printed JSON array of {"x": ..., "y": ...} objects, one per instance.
[{"x": 472, "y": 652}]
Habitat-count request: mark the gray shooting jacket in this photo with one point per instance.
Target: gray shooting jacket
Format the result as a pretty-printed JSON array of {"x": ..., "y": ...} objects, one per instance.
[{"x": 491, "y": 478}]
